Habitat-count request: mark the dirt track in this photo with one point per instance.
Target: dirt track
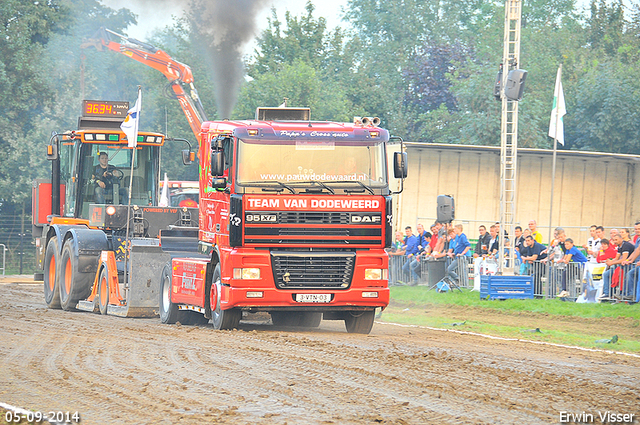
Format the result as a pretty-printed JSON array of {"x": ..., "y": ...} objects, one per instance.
[{"x": 137, "y": 371}]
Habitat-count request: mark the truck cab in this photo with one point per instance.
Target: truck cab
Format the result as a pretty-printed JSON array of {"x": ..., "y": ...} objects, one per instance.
[{"x": 295, "y": 216}]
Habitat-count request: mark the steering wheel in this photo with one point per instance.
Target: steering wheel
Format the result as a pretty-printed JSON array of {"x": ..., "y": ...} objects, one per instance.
[{"x": 117, "y": 173}]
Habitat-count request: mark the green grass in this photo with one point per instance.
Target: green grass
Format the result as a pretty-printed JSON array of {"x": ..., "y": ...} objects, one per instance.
[
  {"x": 559, "y": 321},
  {"x": 420, "y": 295},
  {"x": 547, "y": 335}
]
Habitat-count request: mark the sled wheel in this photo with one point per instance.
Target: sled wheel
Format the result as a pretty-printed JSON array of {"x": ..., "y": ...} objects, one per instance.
[
  {"x": 103, "y": 291},
  {"x": 221, "y": 319},
  {"x": 74, "y": 285},
  {"x": 359, "y": 322},
  {"x": 51, "y": 290}
]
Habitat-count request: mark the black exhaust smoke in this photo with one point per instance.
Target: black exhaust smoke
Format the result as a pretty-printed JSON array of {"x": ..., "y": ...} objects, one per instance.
[{"x": 222, "y": 28}]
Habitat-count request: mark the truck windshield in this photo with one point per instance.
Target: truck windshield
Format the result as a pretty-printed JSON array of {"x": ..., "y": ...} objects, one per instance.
[
  {"x": 298, "y": 161},
  {"x": 109, "y": 183}
]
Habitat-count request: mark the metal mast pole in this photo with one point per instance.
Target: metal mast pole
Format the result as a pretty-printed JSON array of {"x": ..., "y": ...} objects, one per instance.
[{"x": 509, "y": 138}]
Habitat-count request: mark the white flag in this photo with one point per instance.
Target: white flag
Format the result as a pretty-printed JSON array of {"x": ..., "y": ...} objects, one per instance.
[
  {"x": 559, "y": 110},
  {"x": 130, "y": 124},
  {"x": 164, "y": 198}
]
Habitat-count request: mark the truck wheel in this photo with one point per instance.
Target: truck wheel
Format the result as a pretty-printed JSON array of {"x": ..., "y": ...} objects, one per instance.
[
  {"x": 103, "y": 291},
  {"x": 194, "y": 318},
  {"x": 74, "y": 285},
  {"x": 310, "y": 319},
  {"x": 221, "y": 319},
  {"x": 358, "y": 322},
  {"x": 305, "y": 319},
  {"x": 51, "y": 275},
  {"x": 169, "y": 313},
  {"x": 281, "y": 318}
]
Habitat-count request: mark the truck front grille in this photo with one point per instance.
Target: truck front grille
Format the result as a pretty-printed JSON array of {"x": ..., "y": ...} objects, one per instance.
[
  {"x": 312, "y": 228},
  {"x": 325, "y": 270},
  {"x": 312, "y": 217}
]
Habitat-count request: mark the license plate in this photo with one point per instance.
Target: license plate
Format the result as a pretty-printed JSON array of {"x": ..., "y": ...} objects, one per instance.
[{"x": 313, "y": 298}]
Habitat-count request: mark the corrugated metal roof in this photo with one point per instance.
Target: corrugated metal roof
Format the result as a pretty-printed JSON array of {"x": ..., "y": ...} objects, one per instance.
[{"x": 530, "y": 151}]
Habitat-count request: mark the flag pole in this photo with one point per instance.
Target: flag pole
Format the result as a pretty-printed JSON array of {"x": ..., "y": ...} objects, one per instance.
[
  {"x": 553, "y": 180},
  {"x": 127, "y": 249},
  {"x": 553, "y": 166}
]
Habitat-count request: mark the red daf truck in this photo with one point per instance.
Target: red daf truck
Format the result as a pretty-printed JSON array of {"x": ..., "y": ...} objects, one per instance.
[
  {"x": 294, "y": 219},
  {"x": 294, "y": 214}
]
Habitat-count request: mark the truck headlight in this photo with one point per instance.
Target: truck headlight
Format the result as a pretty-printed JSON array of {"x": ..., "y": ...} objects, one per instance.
[
  {"x": 375, "y": 274},
  {"x": 252, "y": 273}
]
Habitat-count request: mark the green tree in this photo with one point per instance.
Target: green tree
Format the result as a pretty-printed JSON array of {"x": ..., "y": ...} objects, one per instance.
[
  {"x": 26, "y": 29},
  {"x": 303, "y": 62}
]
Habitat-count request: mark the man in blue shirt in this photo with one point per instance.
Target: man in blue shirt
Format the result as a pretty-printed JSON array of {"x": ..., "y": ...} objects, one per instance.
[
  {"x": 411, "y": 251},
  {"x": 571, "y": 255},
  {"x": 461, "y": 248}
]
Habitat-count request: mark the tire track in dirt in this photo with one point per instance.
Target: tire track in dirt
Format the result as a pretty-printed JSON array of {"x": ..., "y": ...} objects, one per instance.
[{"x": 138, "y": 371}]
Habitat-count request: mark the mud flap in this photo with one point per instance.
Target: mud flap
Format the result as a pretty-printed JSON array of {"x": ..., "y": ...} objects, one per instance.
[{"x": 145, "y": 264}]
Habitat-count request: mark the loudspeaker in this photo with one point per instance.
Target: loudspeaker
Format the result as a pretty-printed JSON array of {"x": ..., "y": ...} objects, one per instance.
[
  {"x": 497, "y": 87},
  {"x": 446, "y": 209},
  {"x": 515, "y": 84}
]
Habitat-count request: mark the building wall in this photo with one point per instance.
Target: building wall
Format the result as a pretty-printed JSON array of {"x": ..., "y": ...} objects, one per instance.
[{"x": 590, "y": 188}]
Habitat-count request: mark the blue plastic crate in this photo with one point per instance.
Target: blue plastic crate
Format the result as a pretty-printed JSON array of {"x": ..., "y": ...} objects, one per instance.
[{"x": 506, "y": 287}]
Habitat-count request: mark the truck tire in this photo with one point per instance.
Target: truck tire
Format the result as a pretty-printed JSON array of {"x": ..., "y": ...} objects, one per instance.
[
  {"x": 305, "y": 319},
  {"x": 310, "y": 319},
  {"x": 74, "y": 284},
  {"x": 103, "y": 291},
  {"x": 51, "y": 274},
  {"x": 359, "y": 322},
  {"x": 282, "y": 318},
  {"x": 221, "y": 319},
  {"x": 194, "y": 318},
  {"x": 169, "y": 313}
]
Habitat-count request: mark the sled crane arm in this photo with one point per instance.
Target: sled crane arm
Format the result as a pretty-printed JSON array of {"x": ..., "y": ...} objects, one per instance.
[{"x": 179, "y": 75}]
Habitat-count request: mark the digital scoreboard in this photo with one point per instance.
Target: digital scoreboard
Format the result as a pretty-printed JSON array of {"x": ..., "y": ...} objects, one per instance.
[{"x": 105, "y": 109}]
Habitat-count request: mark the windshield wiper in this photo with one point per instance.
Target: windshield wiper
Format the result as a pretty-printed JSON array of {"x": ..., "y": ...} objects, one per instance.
[
  {"x": 266, "y": 189},
  {"x": 355, "y": 181},
  {"x": 333, "y": 192},
  {"x": 285, "y": 186}
]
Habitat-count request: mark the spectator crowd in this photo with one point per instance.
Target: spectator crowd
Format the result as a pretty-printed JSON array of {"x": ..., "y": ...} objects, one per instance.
[{"x": 618, "y": 255}]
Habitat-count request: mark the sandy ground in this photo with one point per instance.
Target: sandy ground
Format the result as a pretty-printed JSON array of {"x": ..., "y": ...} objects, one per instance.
[{"x": 138, "y": 371}]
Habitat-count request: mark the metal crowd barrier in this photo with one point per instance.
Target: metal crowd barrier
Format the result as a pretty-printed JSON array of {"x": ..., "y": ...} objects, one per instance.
[
  {"x": 430, "y": 271},
  {"x": 396, "y": 275},
  {"x": 465, "y": 271},
  {"x": 549, "y": 279},
  {"x": 4, "y": 258},
  {"x": 622, "y": 283}
]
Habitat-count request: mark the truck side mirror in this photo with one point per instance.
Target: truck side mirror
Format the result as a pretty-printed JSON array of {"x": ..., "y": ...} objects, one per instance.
[
  {"x": 52, "y": 152},
  {"x": 217, "y": 163},
  {"x": 188, "y": 157},
  {"x": 400, "y": 165}
]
